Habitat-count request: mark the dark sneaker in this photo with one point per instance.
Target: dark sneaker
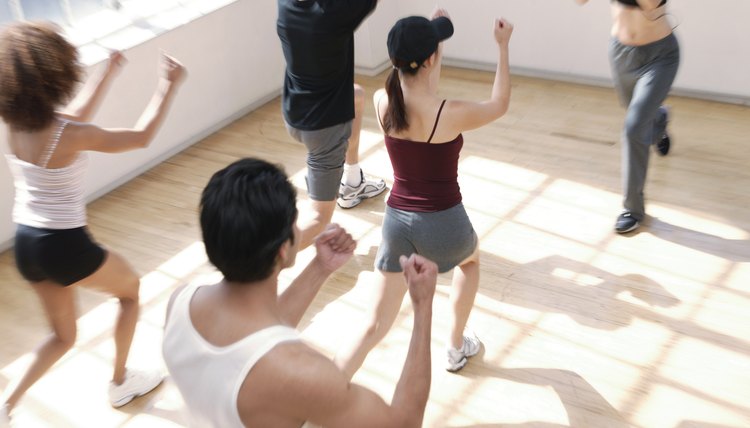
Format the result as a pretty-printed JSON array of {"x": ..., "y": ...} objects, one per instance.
[
  {"x": 350, "y": 197},
  {"x": 663, "y": 142},
  {"x": 663, "y": 145},
  {"x": 626, "y": 223}
]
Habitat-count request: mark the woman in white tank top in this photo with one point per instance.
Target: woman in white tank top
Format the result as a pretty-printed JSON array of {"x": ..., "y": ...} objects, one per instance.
[{"x": 39, "y": 72}]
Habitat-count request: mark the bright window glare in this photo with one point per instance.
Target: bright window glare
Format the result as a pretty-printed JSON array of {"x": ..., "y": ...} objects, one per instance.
[
  {"x": 97, "y": 26},
  {"x": 81, "y": 9},
  {"x": 6, "y": 13},
  {"x": 34, "y": 10},
  {"x": 149, "y": 7}
]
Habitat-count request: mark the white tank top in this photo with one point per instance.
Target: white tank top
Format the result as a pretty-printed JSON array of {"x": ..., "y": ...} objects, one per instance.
[
  {"x": 209, "y": 377},
  {"x": 49, "y": 198}
]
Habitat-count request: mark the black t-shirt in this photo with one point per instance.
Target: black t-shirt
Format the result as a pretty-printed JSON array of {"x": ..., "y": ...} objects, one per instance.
[{"x": 317, "y": 37}]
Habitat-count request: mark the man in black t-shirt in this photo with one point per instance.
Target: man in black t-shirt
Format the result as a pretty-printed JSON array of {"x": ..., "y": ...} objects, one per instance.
[{"x": 322, "y": 106}]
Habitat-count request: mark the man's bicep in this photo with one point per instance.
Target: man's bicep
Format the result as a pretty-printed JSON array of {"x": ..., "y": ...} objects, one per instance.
[
  {"x": 325, "y": 397},
  {"x": 357, "y": 406},
  {"x": 319, "y": 392}
]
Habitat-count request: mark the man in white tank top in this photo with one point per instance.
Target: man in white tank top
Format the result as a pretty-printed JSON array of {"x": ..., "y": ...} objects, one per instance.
[{"x": 232, "y": 348}]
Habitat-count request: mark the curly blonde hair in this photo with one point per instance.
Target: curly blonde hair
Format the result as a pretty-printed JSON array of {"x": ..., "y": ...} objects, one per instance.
[{"x": 39, "y": 71}]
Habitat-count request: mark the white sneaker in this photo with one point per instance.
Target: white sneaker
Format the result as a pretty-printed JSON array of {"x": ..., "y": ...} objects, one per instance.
[
  {"x": 350, "y": 197},
  {"x": 136, "y": 383},
  {"x": 457, "y": 358}
]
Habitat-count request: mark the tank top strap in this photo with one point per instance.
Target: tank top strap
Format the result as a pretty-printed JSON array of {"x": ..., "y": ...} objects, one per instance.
[
  {"x": 437, "y": 119},
  {"x": 377, "y": 113},
  {"x": 52, "y": 144}
]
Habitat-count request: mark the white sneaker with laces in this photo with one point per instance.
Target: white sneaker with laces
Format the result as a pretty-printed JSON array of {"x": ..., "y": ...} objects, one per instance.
[
  {"x": 350, "y": 197},
  {"x": 136, "y": 383},
  {"x": 457, "y": 358}
]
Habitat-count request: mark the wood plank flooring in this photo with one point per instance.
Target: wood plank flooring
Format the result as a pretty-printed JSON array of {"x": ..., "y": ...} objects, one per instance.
[{"x": 581, "y": 327}]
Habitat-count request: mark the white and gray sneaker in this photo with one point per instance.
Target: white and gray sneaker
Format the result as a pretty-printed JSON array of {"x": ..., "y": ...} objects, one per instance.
[
  {"x": 457, "y": 358},
  {"x": 136, "y": 383},
  {"x": 350, "y": 197}
]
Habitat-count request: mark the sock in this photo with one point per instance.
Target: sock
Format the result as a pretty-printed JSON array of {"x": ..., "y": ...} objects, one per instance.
[{"x": 352, "y": 175}]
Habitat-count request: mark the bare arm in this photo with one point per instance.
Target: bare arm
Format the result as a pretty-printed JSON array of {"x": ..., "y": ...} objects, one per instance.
[
  {"x": 334, "y": 248},
  {"x": 582, "y": 1},
  {"x": 88, "y": 100},
  {"x": 120, "y": 140},
  {"x": 325, "y": 397},
  {"x": 471, "y": 115},
  {"x": 380, "y": 101},
  {"x": 413, "y": 388}
]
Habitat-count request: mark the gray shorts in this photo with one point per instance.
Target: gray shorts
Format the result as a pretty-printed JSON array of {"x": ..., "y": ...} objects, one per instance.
[
  {"x": 326, "y": 152},
  {"x": 445, "y": 237}
]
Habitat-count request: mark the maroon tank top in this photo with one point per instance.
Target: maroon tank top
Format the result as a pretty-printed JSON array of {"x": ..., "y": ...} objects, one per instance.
[{"x": 425, "y": 175}]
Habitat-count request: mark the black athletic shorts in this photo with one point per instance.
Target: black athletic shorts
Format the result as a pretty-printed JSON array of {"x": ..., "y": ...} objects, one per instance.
[{"x": 65, "y": 256}]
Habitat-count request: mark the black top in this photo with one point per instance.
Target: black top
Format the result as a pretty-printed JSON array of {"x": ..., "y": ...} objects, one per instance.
[
  {"x": 317, "y": 37},
  {"x": 635, "y": 3}
]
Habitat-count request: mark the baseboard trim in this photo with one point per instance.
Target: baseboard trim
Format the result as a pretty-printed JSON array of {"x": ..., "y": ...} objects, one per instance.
[
  {"x": 564, "y": 77},
  {"x": 373, "y": 71},
  {"x": 594, "y": 81}
]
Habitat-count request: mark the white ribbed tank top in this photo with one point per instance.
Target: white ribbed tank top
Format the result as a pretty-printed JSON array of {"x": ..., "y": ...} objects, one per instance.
[
  {"x": 209, "y": 377},
  {"x": 49, "y": 198}
]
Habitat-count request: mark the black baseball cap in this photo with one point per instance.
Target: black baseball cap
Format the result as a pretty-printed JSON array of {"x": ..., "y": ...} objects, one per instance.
[{"x": 413, "y": 39}]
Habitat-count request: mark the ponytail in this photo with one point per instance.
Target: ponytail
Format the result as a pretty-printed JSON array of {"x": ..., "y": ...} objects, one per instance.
[
  {"x": 395, "y": 114},
  {"x": 394, "y": 119}
]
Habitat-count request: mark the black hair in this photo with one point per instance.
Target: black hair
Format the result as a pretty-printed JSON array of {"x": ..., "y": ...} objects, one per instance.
[
  {"x": 247, "y": 212},
  {"x": 394, "y": 119}
]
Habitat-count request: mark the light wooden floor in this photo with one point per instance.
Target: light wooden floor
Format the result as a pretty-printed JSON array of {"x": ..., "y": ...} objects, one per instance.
[{"x": 582, "y": 327}]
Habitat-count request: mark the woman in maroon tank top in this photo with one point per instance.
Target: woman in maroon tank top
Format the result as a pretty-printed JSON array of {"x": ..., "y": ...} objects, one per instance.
[{"x": 424, "y": 213}]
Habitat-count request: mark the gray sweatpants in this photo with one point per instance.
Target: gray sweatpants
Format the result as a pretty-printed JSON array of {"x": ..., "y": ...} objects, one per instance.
[
  {"x": 643, "y": 76},
  {"x": 326, "y": 153}
]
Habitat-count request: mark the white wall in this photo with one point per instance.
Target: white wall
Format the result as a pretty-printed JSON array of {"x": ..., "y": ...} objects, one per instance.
[
  {"x": 234, "y": 63},
  {"x": 560, "y": 39},
  {"x": 371, "y": 53}
]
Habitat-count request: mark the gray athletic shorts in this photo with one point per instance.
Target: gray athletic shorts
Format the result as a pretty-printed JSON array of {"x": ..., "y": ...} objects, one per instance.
[
  {"x": 445, "y": 237},
  {"x": 326, "y": 152}
]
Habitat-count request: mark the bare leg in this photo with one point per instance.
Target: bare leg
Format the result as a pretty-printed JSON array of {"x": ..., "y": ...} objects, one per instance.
[
  {"x": 322, "y": 212},
  {"x": 117, "y": 278},
  {"x": 59, "y": 306},
  {"x": 388, "y": 294},
  {"x": 355, "y": 185},
  {"x": 463, "y": 291},
  {"x": 352, "y": 151}
]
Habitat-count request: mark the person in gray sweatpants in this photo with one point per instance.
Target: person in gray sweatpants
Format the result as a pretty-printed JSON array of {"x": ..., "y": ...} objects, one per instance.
[
  {"x": 644, "y": 55},
  {"x": 643, "y": 76}
]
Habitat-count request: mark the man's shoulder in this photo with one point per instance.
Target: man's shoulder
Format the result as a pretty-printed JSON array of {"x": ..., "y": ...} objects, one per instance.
[
  {"x": 309, "y": 364},
  {"x": 291, "y": 379}
]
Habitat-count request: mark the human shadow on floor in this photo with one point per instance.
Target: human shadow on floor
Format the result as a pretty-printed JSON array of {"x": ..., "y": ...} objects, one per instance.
[
  {"x": 584, "y": 405},
  {"x": 587, "y": 294},
  {"x": 735, "y": 250}
]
